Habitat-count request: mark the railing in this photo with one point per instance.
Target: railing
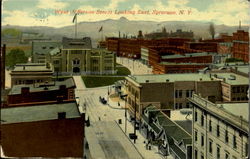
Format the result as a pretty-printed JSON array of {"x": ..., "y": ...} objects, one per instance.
[{"x": 220, "y": 111}]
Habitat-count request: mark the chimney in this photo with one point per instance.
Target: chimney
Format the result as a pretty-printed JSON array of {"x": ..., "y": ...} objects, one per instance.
[
  {"x": 119, "y": 34},
  {"x": 239, "y": 25},
  {"x": 61, "y": 115},
  {"x": 167, "y": 80}
]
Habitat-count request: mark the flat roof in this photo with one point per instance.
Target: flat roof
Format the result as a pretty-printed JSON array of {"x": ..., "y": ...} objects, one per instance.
[
  {"x": 186, "y": 55},
  {"x": 41, "y": 67},
  {"x": 239, "y": 80},
  {"x": 173, "y": 63},
  {"x": 239, "y": 109},
  {"x": 149, "y": 78},
  {"x": 38, "y": 113},
  {"x": 38, "y": 87}
]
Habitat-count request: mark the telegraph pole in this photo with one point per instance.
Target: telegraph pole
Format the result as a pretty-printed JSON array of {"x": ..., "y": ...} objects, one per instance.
[{"x": 135, "y": 121}]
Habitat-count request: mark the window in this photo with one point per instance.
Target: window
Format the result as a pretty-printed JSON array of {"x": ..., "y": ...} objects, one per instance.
[
  {"x": 202, "y": 120},
  {"x": 195, "y": 135},
  {"x": 187, "y": 104},
  {"x": 195, "y": 154},
  {"x": 210, "y": 126},
  {"x": 180, "y": 105},
  {"x": 227, "y": 155},
  {"x": 218, "y": 152},
  {"x": 234, "y": 142},
  {"x": 210, "y": 146},
  {"x": 189, "y": 93},
  {"x": 195, "y": 116},
  {"x": 202, "y": 156},
  {"x": 202, "y": 140},
  {"x": 226, "y": 136},
  {"x": 178, "y": 93},
  {"x": 218, "y": 130}
]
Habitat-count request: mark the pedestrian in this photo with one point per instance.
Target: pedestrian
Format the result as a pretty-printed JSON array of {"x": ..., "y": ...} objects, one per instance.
[
  {"x": 118, "y": 103},
  {"x": 99, "y": 118}
]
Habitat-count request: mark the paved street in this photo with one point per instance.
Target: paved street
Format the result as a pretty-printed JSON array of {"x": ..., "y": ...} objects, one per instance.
[
  {"x": 105, "y": 136},
  {"x": 135, "y": 66}
]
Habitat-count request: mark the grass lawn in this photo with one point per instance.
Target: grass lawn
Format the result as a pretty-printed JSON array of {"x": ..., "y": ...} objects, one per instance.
[
  {"x": 92, "y": 81},
  {"x": 124, "y": 71}
]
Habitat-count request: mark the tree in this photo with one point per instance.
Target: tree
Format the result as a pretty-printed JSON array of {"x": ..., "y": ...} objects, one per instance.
[
  {"x": 212, "y": 30},
  {"x": 15, "y": 56}
]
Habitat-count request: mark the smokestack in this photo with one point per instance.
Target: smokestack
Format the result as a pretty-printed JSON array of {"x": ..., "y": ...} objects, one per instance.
[
  {"x": 239, "y": 24},
  {"x": 119, "y": 34}
]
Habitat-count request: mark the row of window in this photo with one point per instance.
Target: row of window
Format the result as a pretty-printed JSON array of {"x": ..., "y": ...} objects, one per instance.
[
  {"x": 180, "y": 106},
  {"x": 51, "y": 47},
  {"x": 218, "y": 131},
  {"x": 178, "y": 93},
  {"x": 240, "y": 89}
]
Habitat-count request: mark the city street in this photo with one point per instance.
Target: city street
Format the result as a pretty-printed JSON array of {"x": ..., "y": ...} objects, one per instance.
[
  {"x": 106, "y": 138},
  {"x": 135, "y": 66}
]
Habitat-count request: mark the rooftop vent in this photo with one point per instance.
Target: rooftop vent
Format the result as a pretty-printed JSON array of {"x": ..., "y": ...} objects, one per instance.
[
  {"x": 61, "y": 115},
  {"x": 232, "y": 77},
  {"x": 167, "y": 80}
]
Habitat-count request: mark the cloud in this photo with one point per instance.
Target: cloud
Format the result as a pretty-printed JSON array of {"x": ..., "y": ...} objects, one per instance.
[{"x": 51, "y": 4}]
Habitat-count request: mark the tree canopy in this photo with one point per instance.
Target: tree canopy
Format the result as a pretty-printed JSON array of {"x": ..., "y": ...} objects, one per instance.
[{"x": 15, "y": 56}]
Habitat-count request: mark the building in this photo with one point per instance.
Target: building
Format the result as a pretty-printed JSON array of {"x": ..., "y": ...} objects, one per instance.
[
  {"x": 131, "y": 48},
  {"x": 205, "y": 46},
  {"x": 30, "y": 73},
  {"x": 172, "y": 59},
  {"x": 171, "y": 91},
  {"x": 50, "y": 130},
  {"x": 78, "y": 56},
  {"x": 168, "y": 135},
  {"x": 164, "y": 34},
  {"x": 2, "y": 66},
  {"x": 219, "y": 130},
  {"x": 28, "y": 37},
  {"x": 241, "y": 45},
  {"x": 40, "y": 93},
  {"x": 41, "y": 48}
]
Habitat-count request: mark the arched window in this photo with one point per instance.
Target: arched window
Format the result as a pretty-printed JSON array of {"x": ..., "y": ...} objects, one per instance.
[{"x": 76, "y": 62}]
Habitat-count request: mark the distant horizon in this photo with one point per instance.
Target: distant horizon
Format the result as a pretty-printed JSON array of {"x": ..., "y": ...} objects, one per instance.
[{"x": 116, "y": 19}]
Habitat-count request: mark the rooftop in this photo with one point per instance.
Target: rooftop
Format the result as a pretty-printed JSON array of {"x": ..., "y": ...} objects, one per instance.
[
  {"x": 239, "y": 109},
  {"x": 38, "y": 113},
  {"x": 32, "y": 67},
  {"x": 163, "y": 78},
  {"x": 173, "y": 63},
  {"x": 187, "y": 55},
  {"x": 70, "y": 43},
  {"x": 38, "y": 87}
]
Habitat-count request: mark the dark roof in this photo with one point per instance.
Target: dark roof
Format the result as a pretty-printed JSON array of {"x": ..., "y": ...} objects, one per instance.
[
  {"x": 69, "y": 43},
  {"x": 185, "y": 124},
  {"x": 38, "y": 113},
  {"x": 177, "y": 151},
  {"x": 69, "y": 83},
  {"x": 177, "y": 133}
]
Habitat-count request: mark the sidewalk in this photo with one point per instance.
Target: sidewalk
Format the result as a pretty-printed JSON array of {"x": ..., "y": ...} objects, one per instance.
[{"x": 140, "y": 145}]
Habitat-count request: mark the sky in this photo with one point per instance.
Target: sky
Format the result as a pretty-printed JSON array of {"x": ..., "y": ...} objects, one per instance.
[{"x": 59, "y": 13}]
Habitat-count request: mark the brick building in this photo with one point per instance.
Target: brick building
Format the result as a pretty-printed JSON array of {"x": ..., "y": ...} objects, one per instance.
[
  {"x": 241, "y": 45},
  {"x": 164, "y": 34},
  {"x": 58, "y": 91},
  {"x": 50, "y": 130},
  {"x": 205, "y": 46},
  {"x": 131, "y": 48},
  {"x": 172, "y": 59}
]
